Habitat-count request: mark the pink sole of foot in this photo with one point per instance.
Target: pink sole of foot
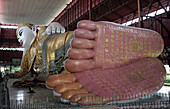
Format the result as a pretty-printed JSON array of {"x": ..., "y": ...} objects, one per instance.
[
  {"x": 132, "y": 81},
  {"x": 110, "y": 45}
]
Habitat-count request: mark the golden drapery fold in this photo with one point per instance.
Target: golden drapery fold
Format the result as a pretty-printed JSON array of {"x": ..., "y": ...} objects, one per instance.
[{"x": 34, "y": 52}]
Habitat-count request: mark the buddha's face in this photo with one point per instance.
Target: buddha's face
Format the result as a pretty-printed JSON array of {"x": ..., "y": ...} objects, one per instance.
[{"x": 25, "y": 36}]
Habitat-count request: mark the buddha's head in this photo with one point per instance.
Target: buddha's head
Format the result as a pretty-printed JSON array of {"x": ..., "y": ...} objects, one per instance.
[{"x": 25, "y": 35}]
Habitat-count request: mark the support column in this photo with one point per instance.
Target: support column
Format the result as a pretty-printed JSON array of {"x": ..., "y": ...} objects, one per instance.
[
  {"x": 90, "y": 6},
  {"x": 67, "y": 19},
  {"x": 140, "y": 13}
]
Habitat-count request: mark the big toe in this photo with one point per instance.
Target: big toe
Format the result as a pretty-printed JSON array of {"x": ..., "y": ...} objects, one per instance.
[{"x": 57, "y": 79}]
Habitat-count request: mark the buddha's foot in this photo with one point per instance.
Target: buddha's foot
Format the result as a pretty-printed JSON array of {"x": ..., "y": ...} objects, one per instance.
[
  {"x": 108, "y": 45},
  {"x": 101, "y": 86}
]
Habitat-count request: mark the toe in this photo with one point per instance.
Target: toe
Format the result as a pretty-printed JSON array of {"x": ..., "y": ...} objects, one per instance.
[
  {"x": 57, "y": 79},
  {"x": 86, "y": 34},
  {"x": 77, "y": 97},
  {"x": 91, "y": 100},
  {"x": 61, "y": 88},
  {"x": 82, "y": 43},
  {"x": 79, "y": 65},
  {"x": 87, "y": 24},
  {"x": 67, "y": 95},
  {"x": 80, "y": 53}
]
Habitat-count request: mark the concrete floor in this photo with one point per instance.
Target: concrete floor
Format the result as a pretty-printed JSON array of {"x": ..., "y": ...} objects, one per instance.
[{"x": 43, "y": 97}]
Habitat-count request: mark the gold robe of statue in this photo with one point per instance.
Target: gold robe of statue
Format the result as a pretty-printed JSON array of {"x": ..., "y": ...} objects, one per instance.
[{"x": 40, "y": 58}]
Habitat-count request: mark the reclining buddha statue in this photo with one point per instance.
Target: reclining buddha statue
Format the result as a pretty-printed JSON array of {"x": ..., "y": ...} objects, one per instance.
[
  {"x": 44, "y": 52},
  {"x": 109, "y": 62}
]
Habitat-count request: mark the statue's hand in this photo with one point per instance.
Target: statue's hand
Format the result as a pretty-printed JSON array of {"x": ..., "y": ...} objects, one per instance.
[{"x": 55, "y": 27}]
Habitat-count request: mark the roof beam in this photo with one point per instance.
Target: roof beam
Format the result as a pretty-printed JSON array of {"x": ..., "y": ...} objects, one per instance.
[
  {"x": 117, "y": 14},
  {"x": 168, "y": 14},
  {"x": 120, "y": 2},
  {"x": 149, "y": 3},
  {"x": 130, "y": 8},
  {"x": 166, "y": 29},
  {"x": 114, "y": 11},
  {"x": 99, "y": 14}
]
